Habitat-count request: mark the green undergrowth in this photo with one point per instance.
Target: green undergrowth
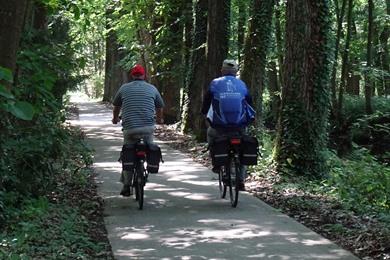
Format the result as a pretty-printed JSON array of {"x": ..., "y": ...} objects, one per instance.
[
  {"x": 55, "y": 226},
  {"x": 46, "y": 230},
  {"x": 55, "y": 215},
  {"x": 358, "y": 183}
]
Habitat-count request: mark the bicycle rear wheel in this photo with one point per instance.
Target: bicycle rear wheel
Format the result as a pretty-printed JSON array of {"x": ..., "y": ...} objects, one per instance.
[
  {"x": 232, "y": 173},
  {"x": 222, "y": 183},
  {"x": 139, "y": 185}
]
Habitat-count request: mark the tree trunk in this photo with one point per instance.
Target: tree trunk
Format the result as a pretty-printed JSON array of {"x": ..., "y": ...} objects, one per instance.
[
  {"x": 217, "y": 36},
  {"x": 368, "y": 81},
  {"x": 384, "y": 54},
  {"x": 345, "y": 63},
  {"x": 279, "y": 41},
  {"x": 196, "y": 79},
  {"x": 340, "y": 19},
  {"x": 114, "y": 74},
  {"x": 187, "y": 46},
  {"x": 274, "y": 90},
  {"x": 256, "y": 49},
  {"x": 302, "y": 126},
  {"x": 171, "y": 80},
  {"x": 242, "y": 17},
  {"x": 12, "y": 15}
]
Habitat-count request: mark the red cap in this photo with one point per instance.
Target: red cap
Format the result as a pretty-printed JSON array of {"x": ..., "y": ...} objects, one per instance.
[{"x": 137, "y": 71}]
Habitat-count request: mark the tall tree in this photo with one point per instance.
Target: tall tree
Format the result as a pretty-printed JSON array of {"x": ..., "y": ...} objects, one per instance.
[
  {"x": 196, "y": 79},
  {"x": 115, "y": 76},
  {"x": 384, "y": 54},
  {"x": 171, "y": 69},
  {"x": 279, "y": 40},
  {"x": 242, "y": 18},
  {"x": 302, "y": 129},
  {"x": 256, "y": 48},
  {"x": 340, "y": 19},
  {"x": 11, "y": 25},
  {"x": 345, "y": 62},
  {"x": 217, "y": 36},
  {"x": 368, "y": 81}
]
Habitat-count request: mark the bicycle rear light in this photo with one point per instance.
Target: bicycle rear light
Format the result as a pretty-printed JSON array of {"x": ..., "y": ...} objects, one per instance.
[
  {"x": 141, "y": 153},
  {"x": 235, "y": 141}
]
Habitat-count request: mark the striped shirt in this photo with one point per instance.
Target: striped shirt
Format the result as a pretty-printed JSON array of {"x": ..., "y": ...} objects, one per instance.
[{"x": 138, "y": 100}]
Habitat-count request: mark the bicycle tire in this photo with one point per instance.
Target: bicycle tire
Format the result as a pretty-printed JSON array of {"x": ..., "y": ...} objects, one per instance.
[
  {"x": 233, "y": 181},
  {"x": 139, "y": 187},
  {"x": 222, "y": 184}
]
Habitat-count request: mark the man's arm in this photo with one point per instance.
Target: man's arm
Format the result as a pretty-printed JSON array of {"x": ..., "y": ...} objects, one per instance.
[
  {"x": 115, "y": 114},
  {"x": 160, "y": 115},
  {"x": 206, "y": 102}
]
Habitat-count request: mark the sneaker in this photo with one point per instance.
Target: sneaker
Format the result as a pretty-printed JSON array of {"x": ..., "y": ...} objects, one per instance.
[
  {"x": 216, "y": 169},
  {"x": 241, "y": 186},
  {"x": 126, "y": 191}
]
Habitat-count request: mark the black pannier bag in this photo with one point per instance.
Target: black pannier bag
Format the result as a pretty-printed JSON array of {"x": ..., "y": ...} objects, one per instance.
[
  {"x": 153, "y": 158},
  {"x": 219, "y": 151},
  {"x": 249, "y": 150},
  {"x": 128, "y": 157}
]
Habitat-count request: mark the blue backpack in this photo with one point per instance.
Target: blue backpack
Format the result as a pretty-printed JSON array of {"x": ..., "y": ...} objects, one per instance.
[{"x": 229, "y": 108}]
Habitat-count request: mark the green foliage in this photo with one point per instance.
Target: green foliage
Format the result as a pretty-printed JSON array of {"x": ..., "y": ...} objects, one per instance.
[
  {"x": 32, "y": 156},
  {"x": 20, "y": 109},
  {"x": 45, "y": 230},
  {"x": 354, "y": 107},
  {"x": 360, "y": 182}
]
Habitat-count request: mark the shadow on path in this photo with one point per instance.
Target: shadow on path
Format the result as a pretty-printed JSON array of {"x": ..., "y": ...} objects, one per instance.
[{"x": 183, "y": 216}]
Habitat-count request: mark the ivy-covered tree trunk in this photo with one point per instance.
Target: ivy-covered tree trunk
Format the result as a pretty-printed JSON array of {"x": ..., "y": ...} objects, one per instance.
[
  {"x": 302, "y": 128},
  {"x": 11, "y": 24},
  {"x": 217, "y": 36},
  {"x": 196, "y": 79},
  {"x": 256, "y": 48}
]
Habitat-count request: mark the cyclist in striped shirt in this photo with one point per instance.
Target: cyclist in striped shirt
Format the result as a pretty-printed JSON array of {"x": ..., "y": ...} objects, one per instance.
[{"x": 141, "y": 106}]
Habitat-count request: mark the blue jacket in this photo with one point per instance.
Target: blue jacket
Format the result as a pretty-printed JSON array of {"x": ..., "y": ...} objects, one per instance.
[{"x": 227, "y": 103}]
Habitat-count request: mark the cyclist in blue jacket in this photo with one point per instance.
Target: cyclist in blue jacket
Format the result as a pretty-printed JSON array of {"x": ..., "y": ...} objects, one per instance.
[{"x": 227, "y": 105}]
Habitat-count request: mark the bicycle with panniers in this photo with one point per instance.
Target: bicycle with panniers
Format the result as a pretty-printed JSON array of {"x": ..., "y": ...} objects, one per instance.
[
  {"x": 134, "y": 157},
  {"x": 229, "y": 153}
]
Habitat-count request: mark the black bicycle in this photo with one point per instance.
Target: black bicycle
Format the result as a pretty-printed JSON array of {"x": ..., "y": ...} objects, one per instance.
[
  {"x": 229, "y": 172},
  {"x": 140, "y": 175}
]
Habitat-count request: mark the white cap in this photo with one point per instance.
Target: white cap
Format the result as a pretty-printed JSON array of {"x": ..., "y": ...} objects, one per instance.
[{"x": 230, "y": 65}]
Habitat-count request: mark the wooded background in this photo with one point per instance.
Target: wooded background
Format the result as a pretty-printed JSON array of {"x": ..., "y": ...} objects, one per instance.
[{"x": 318, "y": 72}]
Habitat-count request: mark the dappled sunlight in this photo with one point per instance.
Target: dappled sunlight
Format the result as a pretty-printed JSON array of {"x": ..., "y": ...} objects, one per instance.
[
  {"x": 310, "y": 242},
  {"x": 183, "y": 216},
  {"x": 201, "y": 183},
  {"x": 192, "y": 196}
]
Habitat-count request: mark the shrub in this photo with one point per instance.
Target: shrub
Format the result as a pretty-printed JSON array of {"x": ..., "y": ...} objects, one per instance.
[{"x": 361, "y": 182}]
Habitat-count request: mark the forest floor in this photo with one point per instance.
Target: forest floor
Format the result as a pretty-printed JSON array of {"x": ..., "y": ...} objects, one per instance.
[{"x": 364, "y": 236}]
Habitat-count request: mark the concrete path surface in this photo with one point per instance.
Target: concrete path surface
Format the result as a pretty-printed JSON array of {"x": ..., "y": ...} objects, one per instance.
[{"x": 183, "y": 216}]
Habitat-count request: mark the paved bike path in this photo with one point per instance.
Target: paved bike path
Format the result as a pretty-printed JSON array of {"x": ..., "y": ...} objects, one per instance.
[{"x": 183, "y": 216}]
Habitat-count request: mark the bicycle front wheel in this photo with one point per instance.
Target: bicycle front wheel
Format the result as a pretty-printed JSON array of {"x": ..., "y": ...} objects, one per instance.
[
  {"x": 232, "y": 173},
  {"x": 139, "y": 185}
]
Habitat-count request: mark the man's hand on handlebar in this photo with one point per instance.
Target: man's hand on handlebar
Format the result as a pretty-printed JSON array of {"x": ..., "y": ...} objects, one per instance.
[
  {"x": 160, "y": 120},
  {"x": 115, "y": 120}
]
